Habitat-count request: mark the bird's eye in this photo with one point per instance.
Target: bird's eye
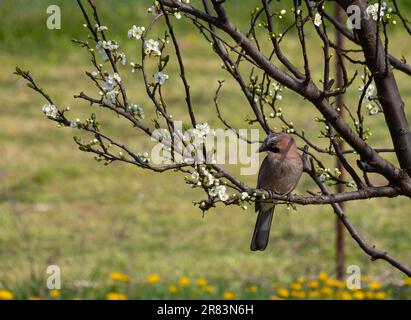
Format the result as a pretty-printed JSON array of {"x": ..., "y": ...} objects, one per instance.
[{"x": 272, "y": 146}]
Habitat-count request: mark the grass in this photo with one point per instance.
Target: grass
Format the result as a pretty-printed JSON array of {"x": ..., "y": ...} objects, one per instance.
[
  {"x": 119, "y": 286},
  {"x": 58, "y": 206}
]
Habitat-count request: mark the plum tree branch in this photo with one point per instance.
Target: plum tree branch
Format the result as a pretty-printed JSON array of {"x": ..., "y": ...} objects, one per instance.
[{"x": 261, "y": 74}]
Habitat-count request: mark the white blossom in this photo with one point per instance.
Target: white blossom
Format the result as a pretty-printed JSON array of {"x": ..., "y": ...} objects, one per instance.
[
  {"x": 123, "y": 58},
  {"x": 277, "y": 86},
  {"x": 318, "y": 19},
  {"x": 337, "y": 172},
  {"x": 202, "y": 130},
  {"x": 108, "y": 45},
  {"x": 50, "y": 110},
  {"x": 209, "y": 179},
  {"x": 195, "y": 176},
  {"x": 177, "y": 15},
  {"x": 75, "y": 124},
  {"x": 144, "y": 157},
  {"x": 114, "y": 77},
  {"x": 153, "y": 10},
  {"x": 160, "y": 77},
  {"x": 152, "y": 46},
  {"x": 109, "y": 87},
  {"x": 373, "y": 9},
  {"x": 369, "y": 92},
  {"x": 324, "y": 177},
  {"x": 111, "y": 96},
  {"x": 103, "y": 45},
  {"x": 372, "y": 109},
  {"x": 134, "y": 67},
  {"x": 101, "y": 28},
  {"x": 138, "y": 110},
  {"x": 244, "y": 196},
  {"x": 223, "y": 197},
  {"x": 220, "y": 192},
  {"x": 136, "y": 32}
]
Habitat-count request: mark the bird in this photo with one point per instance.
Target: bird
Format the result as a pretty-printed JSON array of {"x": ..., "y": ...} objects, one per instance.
[{"x": 279, "y": 173}]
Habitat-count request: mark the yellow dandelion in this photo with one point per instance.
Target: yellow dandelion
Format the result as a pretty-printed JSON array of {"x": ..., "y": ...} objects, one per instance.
[
  {"x": 296, "y": 286},
  {"x": 209, "y": 289},
  {"x": 77, "y": 298},
  {"x": 184, "y": 281},
  {"x": 276, "y": 298},
  {"x": 298, "y": 294},
  {"x": 253, "y": 289},
  {"x": 228, "y": 296},
  {"x": 359, "y": 295},
  {"x": 329, "y": 282},
  {"x": 334, "y": 283},
  {"x": 322, "y": 276},
  {"x": 375, "y": 285},
  {"x": 370, "y": 295},
  {"x": 314, "y": 294},
  {"x": 407, "y": 281},
  {"x": 346, "y": 295},
  {"x": 173, "y": 289},
  {"x": 380, "y": 295},
  {"x": 116, "y": 296},
  {"x": 6, "y": 295},
  {"x": 326, "y": 291},
  {"x": 201, "y": 282},
  {"x": 118, "y": 276},
  {"x": 55, "y": 293},
  {"x": 153, "y": 278},
  {"x": 300, "y": 280},
  {"x": 283, "y": 293},
  {"x": 312, "y": 284}
]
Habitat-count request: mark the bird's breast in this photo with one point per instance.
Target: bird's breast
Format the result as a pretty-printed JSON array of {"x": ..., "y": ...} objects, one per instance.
[{"x": 282, "y": 175}]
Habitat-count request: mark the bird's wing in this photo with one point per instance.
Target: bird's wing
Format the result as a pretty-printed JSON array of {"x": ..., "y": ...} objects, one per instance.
[{"x": 261, "y": 172}]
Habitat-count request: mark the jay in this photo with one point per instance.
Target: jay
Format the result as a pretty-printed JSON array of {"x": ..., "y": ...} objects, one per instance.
[{"x": 279, "y": 173}]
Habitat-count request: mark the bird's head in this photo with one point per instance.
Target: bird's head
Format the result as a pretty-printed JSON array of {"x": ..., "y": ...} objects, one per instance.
[{"x": 277, "y": 143}]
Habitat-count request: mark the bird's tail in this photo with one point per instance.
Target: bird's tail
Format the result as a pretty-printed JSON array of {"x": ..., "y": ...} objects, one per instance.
[{"x": 262, "y": 229}]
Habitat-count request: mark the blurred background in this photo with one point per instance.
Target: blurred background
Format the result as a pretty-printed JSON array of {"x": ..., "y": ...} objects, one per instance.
[{"x": 120, "y": 230}]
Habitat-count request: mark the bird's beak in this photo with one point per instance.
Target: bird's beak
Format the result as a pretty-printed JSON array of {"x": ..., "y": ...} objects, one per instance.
[{"x": 262, "y": 148}]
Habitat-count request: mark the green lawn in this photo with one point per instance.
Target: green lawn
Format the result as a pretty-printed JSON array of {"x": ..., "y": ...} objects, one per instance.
[{"x": 59, "y": 206}]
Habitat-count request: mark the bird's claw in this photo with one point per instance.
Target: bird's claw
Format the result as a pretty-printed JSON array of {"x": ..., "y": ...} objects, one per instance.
[{"x": 270, "y": 194}]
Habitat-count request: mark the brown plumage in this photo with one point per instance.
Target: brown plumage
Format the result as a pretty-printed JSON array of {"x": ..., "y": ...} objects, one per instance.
[{"x": 279, "y": 173}]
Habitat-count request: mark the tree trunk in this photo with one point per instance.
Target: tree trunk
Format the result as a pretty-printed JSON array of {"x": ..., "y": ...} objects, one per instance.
[{"x": 339, "y": 245}]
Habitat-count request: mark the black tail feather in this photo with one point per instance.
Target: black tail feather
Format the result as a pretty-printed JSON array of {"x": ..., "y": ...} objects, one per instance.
[{"x": 262, "y": 229}]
